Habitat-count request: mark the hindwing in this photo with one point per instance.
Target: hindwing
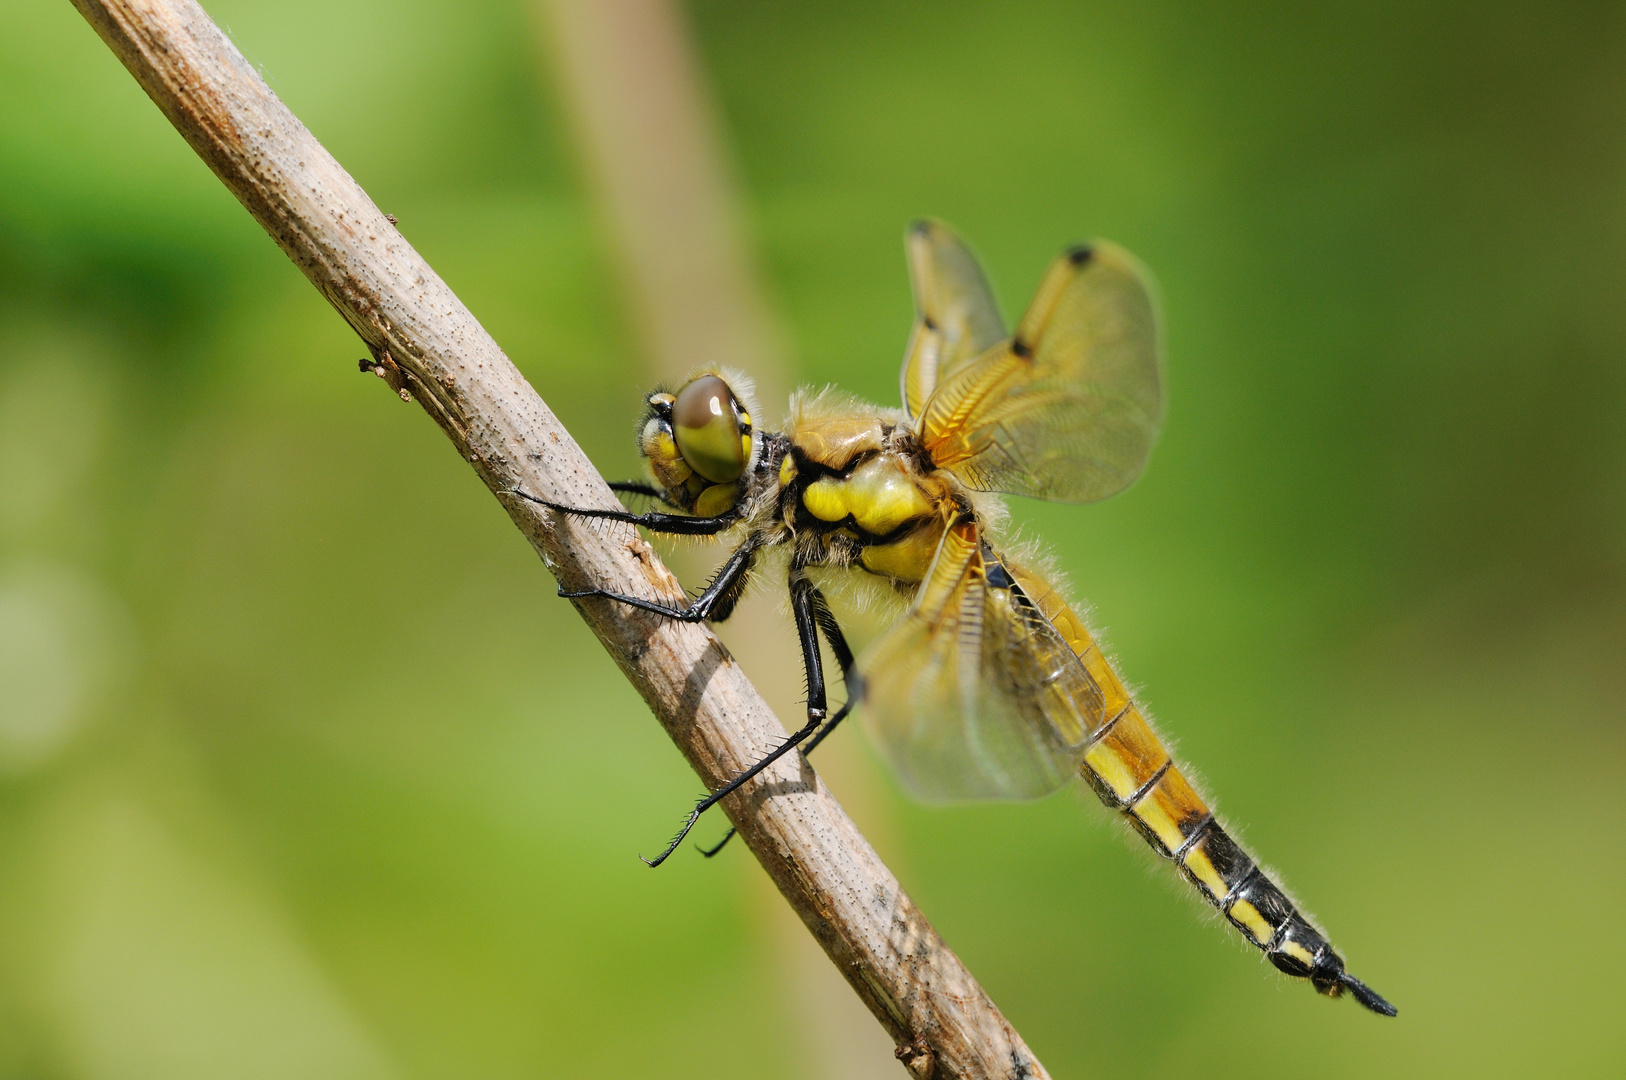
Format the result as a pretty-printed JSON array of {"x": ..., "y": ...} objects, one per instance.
[
  {"x": 974, "y": 693},
  {"x": 1068, "y": 408}
]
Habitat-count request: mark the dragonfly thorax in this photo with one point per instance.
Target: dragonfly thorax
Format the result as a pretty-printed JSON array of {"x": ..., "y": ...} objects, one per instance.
[{"x": 858, "y": 494}]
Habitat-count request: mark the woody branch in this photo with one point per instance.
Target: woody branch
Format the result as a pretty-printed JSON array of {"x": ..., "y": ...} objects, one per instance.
[{"x": 428, "y": 346}]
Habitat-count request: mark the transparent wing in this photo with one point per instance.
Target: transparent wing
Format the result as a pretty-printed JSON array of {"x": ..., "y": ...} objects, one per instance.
[
  {"x": 974, "y": 694},
  {"x": 956, "y": 319},
  {"x": 1067, "y": 409}
]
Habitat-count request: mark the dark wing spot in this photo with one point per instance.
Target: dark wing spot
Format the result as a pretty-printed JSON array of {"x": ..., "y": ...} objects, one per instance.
[
  {"x": 1021, "y": 348},
  {"x": 1079, "y": 254},
  {"x": 929, "y": 323}
]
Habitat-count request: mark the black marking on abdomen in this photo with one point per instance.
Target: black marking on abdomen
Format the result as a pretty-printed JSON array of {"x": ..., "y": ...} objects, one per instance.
[
  {"x": 1269, "y": 901},
  {"x": 1229, "y": 861},
  {"x": 1292, "y": 945},
  {"x": 1193, "y": 838}
]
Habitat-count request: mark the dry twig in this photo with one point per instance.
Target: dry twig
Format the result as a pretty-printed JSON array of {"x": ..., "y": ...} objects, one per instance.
[{"x": 426, "y": 344}]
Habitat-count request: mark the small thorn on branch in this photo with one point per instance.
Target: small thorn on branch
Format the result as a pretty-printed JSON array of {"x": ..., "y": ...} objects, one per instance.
[
  {"x": 917, "y": 1057},
  {"x": 383, "y": 365}
]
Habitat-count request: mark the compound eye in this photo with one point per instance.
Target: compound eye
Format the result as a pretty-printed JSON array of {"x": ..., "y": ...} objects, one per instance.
[{"x": 706, "y": 424}]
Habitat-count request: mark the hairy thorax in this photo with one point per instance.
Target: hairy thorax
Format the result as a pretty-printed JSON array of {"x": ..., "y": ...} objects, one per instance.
[{"x": 855, "y": 490}]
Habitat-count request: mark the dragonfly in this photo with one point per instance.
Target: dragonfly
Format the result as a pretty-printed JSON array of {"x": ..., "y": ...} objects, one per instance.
[{"x": 988, "y": 685}]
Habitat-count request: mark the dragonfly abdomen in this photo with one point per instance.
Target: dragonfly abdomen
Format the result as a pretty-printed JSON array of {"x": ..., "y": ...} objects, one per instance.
[{"x": 1132, "y": 772}]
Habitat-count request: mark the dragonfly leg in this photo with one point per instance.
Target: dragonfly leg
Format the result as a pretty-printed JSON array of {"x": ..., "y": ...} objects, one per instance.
[
  {"x": 716, "y": 602},
  {"x": 648, "y": 491},
  {"x": 802, "y": 593},
  {"x": 826, "y": 621},
  {"x": 677, "y": 524},
  {"x": 844, "y": 657}
]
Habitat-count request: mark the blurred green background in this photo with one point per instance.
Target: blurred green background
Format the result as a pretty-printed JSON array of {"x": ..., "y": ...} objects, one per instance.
[{"x": 305, "y": 772}]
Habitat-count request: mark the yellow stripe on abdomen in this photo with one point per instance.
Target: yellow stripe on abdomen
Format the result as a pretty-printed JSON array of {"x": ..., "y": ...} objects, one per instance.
[{"x": 1130, "y": 769}]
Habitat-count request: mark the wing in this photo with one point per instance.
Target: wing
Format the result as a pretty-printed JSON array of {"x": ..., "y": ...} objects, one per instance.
[
  {"x": 956, "y": 319},
  {"x": 975, "y": 693},
  {"x": 1067, "y": 409}
]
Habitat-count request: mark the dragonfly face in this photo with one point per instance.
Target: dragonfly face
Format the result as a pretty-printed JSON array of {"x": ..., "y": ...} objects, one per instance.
[
  {"x": 698, "y": 444},
  {"x": 989, "y": 686}
]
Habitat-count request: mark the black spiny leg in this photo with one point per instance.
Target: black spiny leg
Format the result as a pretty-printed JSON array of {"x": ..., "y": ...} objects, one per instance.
[
  {"x": 679, "y": 524},
  {"x": 716, "y": 602},
  {"x": 802, "y": 604},
  {"x": 718, "y": 599},
  {"x": 648, "y": 491},
  {"x": 849, "y": 676},
  {"x": 844, "y": 657}
]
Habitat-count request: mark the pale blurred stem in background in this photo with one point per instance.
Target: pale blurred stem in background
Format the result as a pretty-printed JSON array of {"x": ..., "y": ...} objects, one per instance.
[
  {"x": 649, "y": 137},
  {"x": 656, "y": 162},
  {"x": 425, "y": 343}
]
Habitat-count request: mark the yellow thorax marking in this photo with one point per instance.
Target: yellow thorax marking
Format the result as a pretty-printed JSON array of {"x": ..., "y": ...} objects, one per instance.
[
  {"x": 907, "y": 559},
  {"x": 879, "y": 495}
]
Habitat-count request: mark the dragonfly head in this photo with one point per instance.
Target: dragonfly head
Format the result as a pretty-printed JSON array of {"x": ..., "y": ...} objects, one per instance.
[{"x": 699, "y": 442}]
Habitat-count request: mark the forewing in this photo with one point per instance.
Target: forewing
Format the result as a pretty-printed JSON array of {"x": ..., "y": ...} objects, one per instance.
[
  {"x": 1067, "y": 409},
  {"x": 956, "y": 319},
  {"x": 973, "y": 694}
]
